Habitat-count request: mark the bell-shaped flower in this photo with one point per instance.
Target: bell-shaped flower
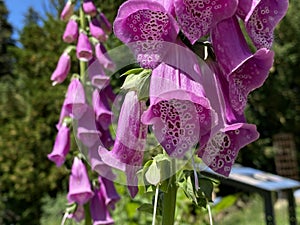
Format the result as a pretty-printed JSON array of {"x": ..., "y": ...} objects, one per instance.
[
  {"x": 96, "y": 30},
  {"x": 79, "y": 184},
  {"x": 99, "y": 211},
  {"x": 84, "y": 51},
  {"x": 261, "y": 18},
  {"x": 75, "y": 101},
  {"x": 61, "y": 146},
  {"x": 89, "y": 8},
  {"x": 127, "y": 153},
  {"x": 97, "y": 75},
  {"x": 87, "y": 131},
  {"x": 67, "y": 11},
  {"x": 102, "y": 109},
  {"x": 96, "y": 162},
  {"x": 104, "y": 22},
  {"x": 179, "y": 111},
  {"x": 219, "y": 149},
  {"x": 71, "y": 31},
  {"x": 244, "y": 71},
  {"x": 62, "y": 69},
  {"x": 196, "y": 18},
  {"x": 63, "y": 114},
  {"x": 145, "y": 24},
  {"x": 103, "y": 57},
  {"x": 109, "y": 192}
]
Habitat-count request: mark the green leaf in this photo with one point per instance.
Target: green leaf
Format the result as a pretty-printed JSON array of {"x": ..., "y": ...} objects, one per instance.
[
  {"x": 133, "y": 71},
  {"x": 138, "y": 82},
  {"x": 146, "y": 207},
  {"x": 153, "y": 174}
]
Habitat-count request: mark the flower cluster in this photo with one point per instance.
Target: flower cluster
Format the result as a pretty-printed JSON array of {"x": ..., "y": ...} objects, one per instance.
[
  {"x": 201, "y": 68},
  {"x": 191, "y": 103},
  {"x": 86, "y": 33}
]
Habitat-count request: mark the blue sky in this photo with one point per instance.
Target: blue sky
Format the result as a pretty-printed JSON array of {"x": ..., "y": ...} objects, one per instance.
[{"x": 18, "y": 8}]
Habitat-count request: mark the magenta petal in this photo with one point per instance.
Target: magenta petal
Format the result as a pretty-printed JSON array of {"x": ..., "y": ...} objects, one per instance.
[
  {"x": 87, "y": 131},
  {"x": 243, "y": 70},
  {"x": 222, "y": 149},
  {"x": 262, "y": 18},
  {"x": 62, "y": 69},
  {"x": 63, "y": 114},
  {"x": 101, "y": 108},
  {"x": 97, "y": 164},
  {"x": 96, "y": 30},
  {"x": 67, "y": 11},
  {"x": 105, "y": 24},
  {"x": 127, "y": 153},
  {"x": 79, "y": 184},
  {"x": 109, "y": 192},
  {"x": 89, "y": 7},
  {"x": 61, "y": 146},
  {"x": 145, "y": 24},
  {"x": 144, "y": 20},
  {"x": 84, "y": 51},
  {"x": 246, "y": 7},
  {"x": 75, "y": 101},
  {"x": 103, "y": 57},
  {"x": 230, "y": 46},
  {"x": 71, "y": 32},
  {"x": 179, "y": 110},
  {"x": 99, "y": 212},
  {"x": 98, "y": 77},
  {"x": 249, "y": 76},
  {"x": 196, "y": 18}
]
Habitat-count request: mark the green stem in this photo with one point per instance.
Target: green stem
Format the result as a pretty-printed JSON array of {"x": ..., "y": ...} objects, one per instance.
[
  {"x": 82, "y": 65},
  {"x": 87, "y": 214},
  {"x": 169, "y": 199}
]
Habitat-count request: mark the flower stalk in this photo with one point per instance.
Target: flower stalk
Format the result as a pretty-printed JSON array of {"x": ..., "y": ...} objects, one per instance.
[{"x": 169, "y": 198}]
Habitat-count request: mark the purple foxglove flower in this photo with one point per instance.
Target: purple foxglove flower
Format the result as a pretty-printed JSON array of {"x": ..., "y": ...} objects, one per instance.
[
  {"x": 84, "y": 51},
  {"x": 109, "y": 192},
  {"x": 179, "y": 111},
  {"x": 127, "y": 153},
  {"x": 97, "y": 75},
  {"x": 71, "y": 32},
  {"x": 96, "y": 162},
  {"x": 220, "y": 148},
  {"x": 97, "y": 31},
  {"x": 261, "y": 18},
  {"x": 101, "y": 108},
  {"x": 196, "y": 18},
  {"x": 244, "y": 71},
  {"x": 67, "y": 11},
  {"x": 79, "y": 214},
  {"x": 63, "y": 114},
  {"x": 62, "y": 69},
  {"x": 220, "y": 152},
  {"x": 111, "y": 96},
  {"x": 103, "y": 57},
  {"x": 105, "y": 24},
  {"x": 99, "y": 212},
  {"x": 89, "y": 8},
  {"x": 61, "y": 146},
  {"x": 146, "y": 24},
  {"x": 79, "y": 183},
  {"x": 75, "y": 101},
  {"x": 87, "y": 131}
]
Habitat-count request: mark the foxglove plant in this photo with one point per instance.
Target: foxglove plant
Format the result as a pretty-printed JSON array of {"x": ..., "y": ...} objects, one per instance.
[{"x": 195, "y": 72}]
